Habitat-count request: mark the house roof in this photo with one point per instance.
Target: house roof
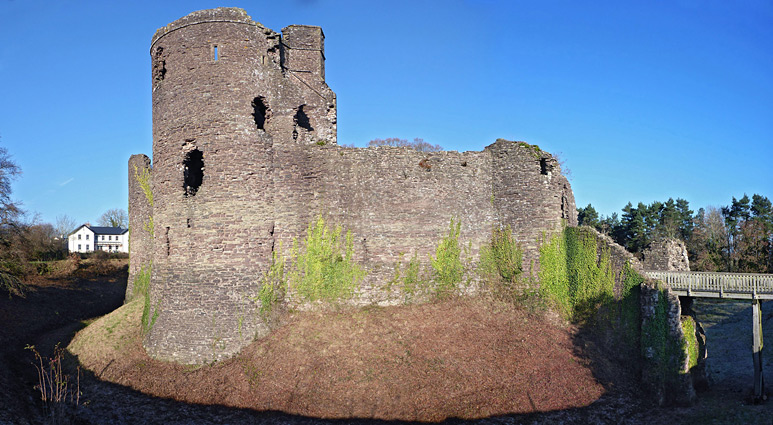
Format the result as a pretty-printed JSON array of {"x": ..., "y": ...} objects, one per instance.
[
  {"x": 98, "y": 230},
  {"x": 107, "y": 230}
]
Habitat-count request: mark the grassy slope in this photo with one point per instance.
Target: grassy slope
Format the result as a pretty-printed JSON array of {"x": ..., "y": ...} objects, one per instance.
[{"x": 465, "y": 358}]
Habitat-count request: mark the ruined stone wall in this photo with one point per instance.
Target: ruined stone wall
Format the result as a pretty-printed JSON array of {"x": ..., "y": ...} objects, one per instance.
[
  {"x": 245, "y": 157},
  {"x": 666, "y": 254},
  {"x": 530, "y": 195},
  {"x": 398, "y": 202},
  {"x": 140, "y": 219},
  {"x": 662, "y": 343}
]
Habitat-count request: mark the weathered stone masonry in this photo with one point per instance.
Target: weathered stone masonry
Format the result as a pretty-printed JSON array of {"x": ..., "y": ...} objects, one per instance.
[
  {"x": 140, "y": 220},
  {"x": 245, "y": 156}
]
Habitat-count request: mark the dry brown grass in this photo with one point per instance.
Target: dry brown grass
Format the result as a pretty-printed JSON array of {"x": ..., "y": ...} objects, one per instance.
[{"x": 467, "y": 358}]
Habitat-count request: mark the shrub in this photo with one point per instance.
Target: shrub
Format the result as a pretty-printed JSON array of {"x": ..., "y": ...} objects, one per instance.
[
  {"x": 412, "y": 280},
  {"x": 11, "y": 284},
  {"x": 447, "y": 266},
  {"x": 324, "y": 268},
  {"x": 55, "y": 386},
  {"x": 500, "y": 264},
  {"x": 273, "y": 284}
]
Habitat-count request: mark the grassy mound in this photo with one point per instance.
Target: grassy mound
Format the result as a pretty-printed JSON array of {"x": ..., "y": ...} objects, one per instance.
[
  {"x": 466, "y": 358},
  {"x": 108, "y": 337}
]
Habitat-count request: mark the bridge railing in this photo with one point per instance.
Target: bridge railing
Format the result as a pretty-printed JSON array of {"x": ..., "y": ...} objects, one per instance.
[{"x": 717, "y": 285}]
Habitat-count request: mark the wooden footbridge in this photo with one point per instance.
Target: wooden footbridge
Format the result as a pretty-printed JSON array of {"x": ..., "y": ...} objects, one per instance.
[{"x": 736, "y": 286}]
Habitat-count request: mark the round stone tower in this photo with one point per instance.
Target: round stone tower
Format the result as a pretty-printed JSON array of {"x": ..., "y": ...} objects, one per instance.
[{"x": 224, "y": 99}]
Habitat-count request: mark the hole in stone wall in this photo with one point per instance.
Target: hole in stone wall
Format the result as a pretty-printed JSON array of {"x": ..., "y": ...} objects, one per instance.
[
  {"x": 260, "y": 112},
  {"x": 166, "y": 242},
  {"x": 424, "y": 163},
  {"x": 193, "y": 172},
  {"x": 301, "y": 119},
  {"x": 159, "y": 65},
  {"x": 189, "y": 223},
  {"x": 215, "y": 51},
  {"x": 544, "y": 167}
]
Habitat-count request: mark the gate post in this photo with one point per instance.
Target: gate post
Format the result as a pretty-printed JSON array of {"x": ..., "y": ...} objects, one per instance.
[{"x": 759, "y": 380}]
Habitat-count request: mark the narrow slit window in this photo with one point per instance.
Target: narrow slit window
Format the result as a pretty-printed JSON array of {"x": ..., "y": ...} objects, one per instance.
[
  {"x": 215, "y": 52},
  {"x": 193, "y": 172}
]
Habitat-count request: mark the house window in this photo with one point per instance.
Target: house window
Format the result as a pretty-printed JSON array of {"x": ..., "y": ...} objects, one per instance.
[
  {"x": 79, "y": 245},
  {"x": 110, "y": 238},
  {"x": 87, "y": 246},
  {"x": 79, "y": 238},
  {"x": 103, "y": 237},
  {"x": 87, "y": 237}
]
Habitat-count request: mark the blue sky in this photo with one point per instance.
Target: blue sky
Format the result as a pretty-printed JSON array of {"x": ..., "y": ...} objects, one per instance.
[{"x": 645, "y": 100}]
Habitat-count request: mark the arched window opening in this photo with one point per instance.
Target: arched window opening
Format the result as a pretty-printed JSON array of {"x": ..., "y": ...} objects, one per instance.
[
  {"x": 193, "y": 172},
  {"x": 260, "y": 112}
]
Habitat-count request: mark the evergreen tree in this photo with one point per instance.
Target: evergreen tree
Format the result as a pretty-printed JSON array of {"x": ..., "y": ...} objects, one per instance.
[{"x": 588, "y": 216}]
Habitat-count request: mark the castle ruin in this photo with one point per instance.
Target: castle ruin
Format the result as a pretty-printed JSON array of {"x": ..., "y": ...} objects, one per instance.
[{"x": 245, "y": 157}]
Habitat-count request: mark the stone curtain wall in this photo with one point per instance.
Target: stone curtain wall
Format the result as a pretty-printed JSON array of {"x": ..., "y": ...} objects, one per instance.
[
  {"x": 398, "y": 202},
  {"x": 140, "y": 220},
  {"x": 245, "y": 157}
]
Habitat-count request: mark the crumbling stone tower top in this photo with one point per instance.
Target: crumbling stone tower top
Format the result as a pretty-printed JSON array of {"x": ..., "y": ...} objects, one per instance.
[{"x": 223, "y": 48}]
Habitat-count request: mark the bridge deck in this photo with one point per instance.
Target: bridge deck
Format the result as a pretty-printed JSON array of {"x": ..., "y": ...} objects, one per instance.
[{"x": 740, "y": 286}]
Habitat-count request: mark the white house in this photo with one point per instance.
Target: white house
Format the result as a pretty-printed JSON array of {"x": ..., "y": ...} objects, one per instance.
[{"x": 89, "y": 238}]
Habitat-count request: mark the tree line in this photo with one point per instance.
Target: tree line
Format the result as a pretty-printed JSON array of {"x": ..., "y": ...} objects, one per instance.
[{"x": 734, "y": 238}]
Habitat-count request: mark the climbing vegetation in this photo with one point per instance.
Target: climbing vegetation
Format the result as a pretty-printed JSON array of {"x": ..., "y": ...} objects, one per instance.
[
  {"x": 659, "y": 346},
  {"x": 500, "y": 266},
  {"x": 691, "y": 342},
  {"x": 273, "y": 284},
  {"x": 447, "y": 274},
  {"x": 577, "y": 279},
  {"x": 320, "y": 267},
  {"x": 143, "y": 179},
  {"x": 412, "y": 280},
  {"x": 447, "y": 268},
  {"x": 576, "y": 276},
  {"x": 141, "y": 288}
]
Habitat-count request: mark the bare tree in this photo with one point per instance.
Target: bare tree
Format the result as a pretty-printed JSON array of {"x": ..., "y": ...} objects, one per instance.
[
  {"x": 9, "y": 171},
  {"x": 417, "y": 144},
  {"x": 64, "y": 225},
  {"x": 114, "y": 217},
  {"x": 561, "y": 159}
]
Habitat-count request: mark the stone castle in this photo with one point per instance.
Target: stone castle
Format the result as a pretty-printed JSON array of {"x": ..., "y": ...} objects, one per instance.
[{"x": 245, "y": 157}]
